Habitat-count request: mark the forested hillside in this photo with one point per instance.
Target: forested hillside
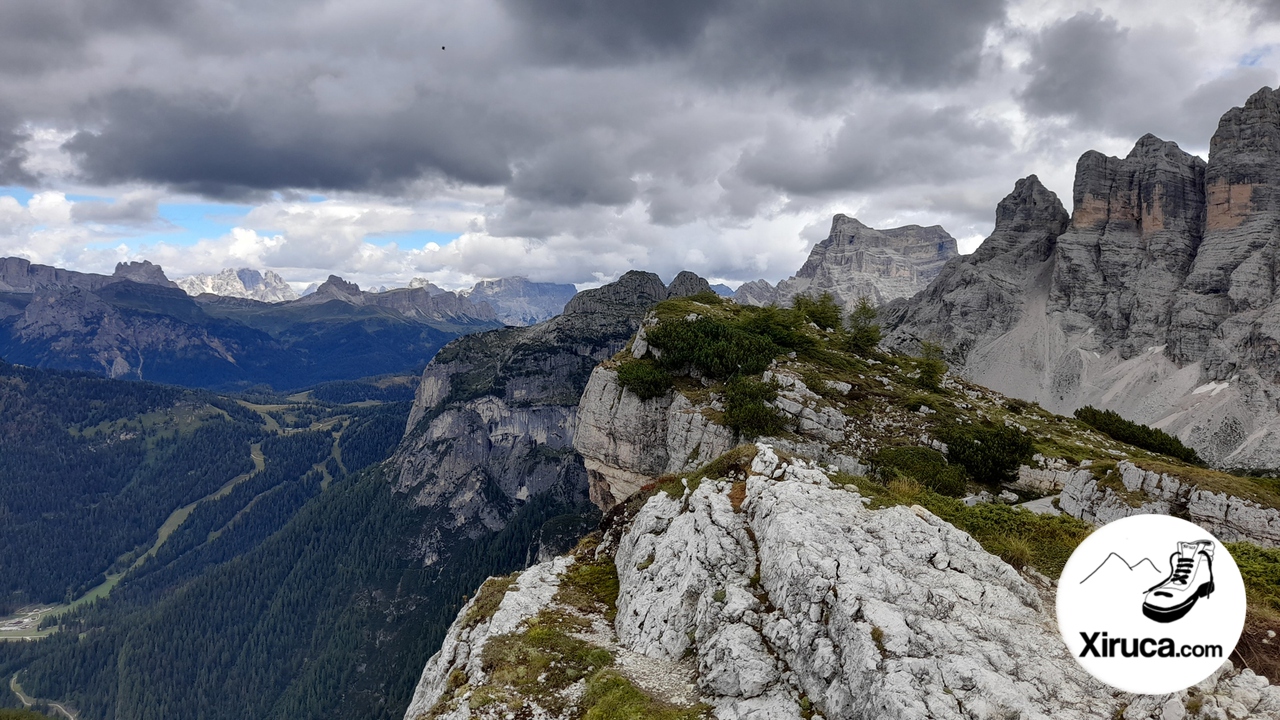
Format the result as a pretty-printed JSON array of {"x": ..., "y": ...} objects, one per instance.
[{"x": 258, "y": 563}]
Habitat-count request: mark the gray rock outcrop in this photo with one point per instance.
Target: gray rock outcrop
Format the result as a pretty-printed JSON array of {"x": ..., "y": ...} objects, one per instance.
[
  {"x": 1144, "y": 492},
  {"x": 791, "y": 598},
  {"x": 1157, "y": 300},
  {"x": 626, "y": 442},
  {"x": 856, "y": 261}
]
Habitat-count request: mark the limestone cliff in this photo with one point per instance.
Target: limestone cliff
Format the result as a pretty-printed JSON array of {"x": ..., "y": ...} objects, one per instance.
[
  {"x": 1157, "y": 299},
  {"x": 856, "y": 261},
  {"x": 493, "y": 423}
]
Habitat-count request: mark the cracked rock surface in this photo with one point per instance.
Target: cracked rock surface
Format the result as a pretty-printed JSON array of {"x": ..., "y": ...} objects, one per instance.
[{"x": 791, "y": 599}]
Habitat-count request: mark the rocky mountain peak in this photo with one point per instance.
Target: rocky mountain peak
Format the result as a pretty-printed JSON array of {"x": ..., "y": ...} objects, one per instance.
[
  {"x": 1029, "y": 208},
  {"x": 1156, "y": 186},
  {"x": 142, "y": 272},
  {"x": 635, "y": 289},
  {"x": 264, "y": 286},
  {"x": 521, "y": 301},
  {"x": 687, "y": 283},
  {"x": 857, "y": 261},
  {"x": 336, "y": 286},
  {"x": 1244, "y": 162}
]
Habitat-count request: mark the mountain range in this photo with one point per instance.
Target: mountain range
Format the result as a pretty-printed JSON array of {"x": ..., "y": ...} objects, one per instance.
[
  {"x": 515, "y": 300},
  {"x": 138, "y": 324}
]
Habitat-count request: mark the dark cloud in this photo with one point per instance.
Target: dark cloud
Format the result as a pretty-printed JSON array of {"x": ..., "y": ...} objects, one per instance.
[
  {"x": 212, "y": 146},
  {"x": 916, "y": 42},
  {"x": 920, "y": 42},
  {"x": 39, "y": 35},
  {"x": 138, "y": 210},
  {"x": 12, "y": 155},
  {"x": 1127, "y": 82},
  {"x": 575, "y": 172},
  {"x": 883, "y": 150},
  {"x": 588, "y": 31},
  {"x": 1075, "y": 68}
]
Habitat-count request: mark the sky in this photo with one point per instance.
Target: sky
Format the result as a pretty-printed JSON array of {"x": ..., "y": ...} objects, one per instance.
[{"x": 572, "y": 140}]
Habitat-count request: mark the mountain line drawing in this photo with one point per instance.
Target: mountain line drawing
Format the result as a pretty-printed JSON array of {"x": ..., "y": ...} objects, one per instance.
[{"x": 1127, "y": 564}]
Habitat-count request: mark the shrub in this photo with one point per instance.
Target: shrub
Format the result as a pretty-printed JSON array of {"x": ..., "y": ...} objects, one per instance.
[
  {"x": 991, "y": 454},
  {"x": 746, "y": 410},
  {"x": 926, "y": 465},
  {"x": 781, "y": 327},
  {"x": 717, "y": 348},
  {"x": 822, "y": 311},
  {"x": 1147, "y": 438},
  {"x": 931, "y": 366},
  {"x": 864, "y": 332},
  {"x": 1260, "y": 569},
  {"x": 644, "y": 378}
]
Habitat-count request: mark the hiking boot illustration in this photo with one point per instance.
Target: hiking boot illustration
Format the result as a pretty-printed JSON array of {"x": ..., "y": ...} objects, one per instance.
[{"x": 1190, "y": 578}]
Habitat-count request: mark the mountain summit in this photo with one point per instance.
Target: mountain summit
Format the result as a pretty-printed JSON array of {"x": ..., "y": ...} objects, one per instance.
[{"x": 856, "y": 261}]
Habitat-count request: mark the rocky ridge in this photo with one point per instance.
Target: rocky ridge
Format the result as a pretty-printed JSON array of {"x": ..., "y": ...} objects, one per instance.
[
  {"x": 856, "y": 261},
  {"x": 418, "y": 303},
  {"x": 1156, "y": 300},
  {"x": 493, "y": 422},
  {"x": 780, "y": 594},
  {"x": 241, "y": 283}
]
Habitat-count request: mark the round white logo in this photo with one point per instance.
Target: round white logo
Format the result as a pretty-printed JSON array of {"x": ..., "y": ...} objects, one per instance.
[{"x": 1151, "y": 604}]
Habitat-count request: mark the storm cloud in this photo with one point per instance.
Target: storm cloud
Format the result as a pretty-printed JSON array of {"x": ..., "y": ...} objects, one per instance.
[{"x": 574, "y": 139}]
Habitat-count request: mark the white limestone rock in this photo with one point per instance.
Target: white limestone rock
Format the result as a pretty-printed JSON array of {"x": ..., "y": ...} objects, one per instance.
[{"x": 1230, "y": 518}]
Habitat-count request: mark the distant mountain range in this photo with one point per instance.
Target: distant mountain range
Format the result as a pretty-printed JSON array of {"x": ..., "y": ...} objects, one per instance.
[
  {"x": 515, "y": 300},
  {"x": 138, "y": 324}
]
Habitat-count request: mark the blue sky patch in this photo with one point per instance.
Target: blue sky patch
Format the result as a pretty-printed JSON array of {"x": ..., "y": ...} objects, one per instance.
[{"x": 413, "y": 239}]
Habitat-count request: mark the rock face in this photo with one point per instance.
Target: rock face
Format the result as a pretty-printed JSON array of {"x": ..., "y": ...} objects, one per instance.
[
  {"x": 795, "y": 600},
  {"x": 493, "y": 423},
  {"x": 519, "y": 301},
  {"x": 856, "y": 261},
  {"x": 1141, "y": 492},
  {"x": 626, "y": 442},
  {"x": 23, "y": 277},
  {"x": 241, "y": 283},
  {"x": 1157, "y": 299}
]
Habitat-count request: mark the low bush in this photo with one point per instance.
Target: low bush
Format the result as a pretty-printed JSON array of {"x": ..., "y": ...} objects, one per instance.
[
  {"x": 644, "y": 378},
  {"x": 926, "y": 465},
  {"x": 717, "y": 348},
  {"x": 746, "y": 409},
  {"x": 1136, "y": 434},
  {"x": 990, "y": 453}
]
